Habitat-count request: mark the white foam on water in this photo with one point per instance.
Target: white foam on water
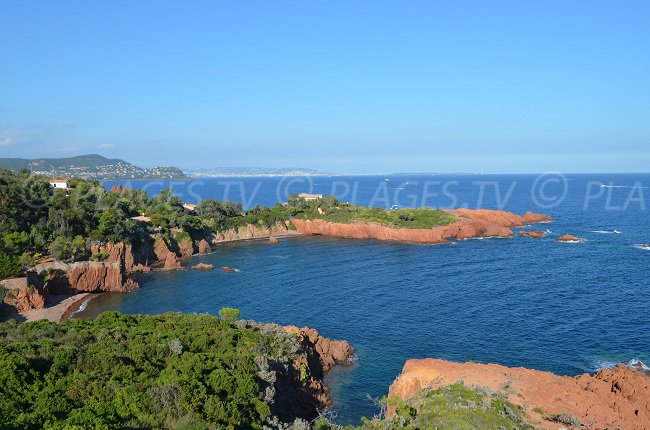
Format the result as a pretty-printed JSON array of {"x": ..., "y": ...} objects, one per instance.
[
  {"x": 642, "y": 246},
  {"x": 82, "y": 307},
  {"x": 606, "y": 231},
  {"x": 634, "y": 363}
]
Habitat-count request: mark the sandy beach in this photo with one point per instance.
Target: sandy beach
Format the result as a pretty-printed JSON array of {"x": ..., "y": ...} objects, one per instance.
[{"x": 60, "y": 311}]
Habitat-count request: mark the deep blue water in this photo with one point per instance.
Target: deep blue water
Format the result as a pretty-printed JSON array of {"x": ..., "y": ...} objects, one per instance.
[{"x": 566, "y": 308}]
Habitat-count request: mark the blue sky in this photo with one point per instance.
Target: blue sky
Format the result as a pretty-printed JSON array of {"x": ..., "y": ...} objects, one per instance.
[{"x": 349, "y": 86}]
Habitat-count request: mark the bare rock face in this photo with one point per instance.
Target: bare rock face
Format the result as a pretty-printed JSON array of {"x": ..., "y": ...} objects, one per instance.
[
  {"x": 326, "y": 351},
  {"x": 172, "y": 262},
  {"x": 118, "y": 189},
  {"x": 87, "y": 276},
  {"x": 186, "y": 248},
  {"x": 203, "y": 247},
  {"x": 165, "y": 254},
  {"x": 569, "y": 238},
  {"x": 533, "y": 234},
  {"x": 22, "y": 295},
  {"x": 124, "y": 254},
  {"x": 612, "y": 398},
  {"x": 203, "y": 266},
  {"x": 319, "y": 356},
  {"x": 470, "y": 224},
  {"x": 249, "y": 231}
]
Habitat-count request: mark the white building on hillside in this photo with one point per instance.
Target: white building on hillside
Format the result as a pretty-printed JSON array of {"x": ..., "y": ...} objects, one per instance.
[
  {"x": 60, "y": 183},
  {"x": 309, "y": 197}
]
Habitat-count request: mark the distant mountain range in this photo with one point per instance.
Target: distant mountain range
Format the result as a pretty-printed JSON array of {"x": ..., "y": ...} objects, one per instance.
[
  {"x": 217, "y": 172},
  {"x": 91, "y": 166}
]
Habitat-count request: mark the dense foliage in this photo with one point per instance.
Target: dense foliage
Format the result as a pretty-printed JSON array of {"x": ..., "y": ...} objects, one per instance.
[
  {"x": 333, "y": 211},
  {"x": 118, "y": 371},
  {"x": 452, "y": 407},
  {"x": 36, "y": 220}
]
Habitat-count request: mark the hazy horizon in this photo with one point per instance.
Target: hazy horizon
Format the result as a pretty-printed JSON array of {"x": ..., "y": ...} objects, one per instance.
[{"x": 369, "y": 87}]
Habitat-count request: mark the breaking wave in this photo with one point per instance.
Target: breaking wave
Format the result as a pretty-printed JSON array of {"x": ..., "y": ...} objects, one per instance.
[{"x": 634, "y": 363}]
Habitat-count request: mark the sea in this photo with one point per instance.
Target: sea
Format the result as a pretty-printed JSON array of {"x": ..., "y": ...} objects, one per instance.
[{"x": 567, "y": 308}]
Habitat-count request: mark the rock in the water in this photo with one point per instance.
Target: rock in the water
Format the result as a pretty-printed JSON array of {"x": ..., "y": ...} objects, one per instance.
[
  {"x": 203, "y": 266},
  {"x": 534, "y": 234},
  {"x": 203, "y": 247},
  {"x": 228, "y": 269},
  {"x": 569, "y": 238},
  {"x": 273, "y": 240}
]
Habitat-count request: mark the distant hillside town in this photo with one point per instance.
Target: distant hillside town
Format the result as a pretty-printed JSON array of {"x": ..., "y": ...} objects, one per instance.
[{"x": 91, "y": 167}]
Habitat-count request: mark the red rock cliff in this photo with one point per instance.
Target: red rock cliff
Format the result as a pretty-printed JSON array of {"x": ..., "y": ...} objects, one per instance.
[
  {"x": 86, "y": 276},
  {"x": 24, "y": 294},
  {"x": 470, "y": 224},
  {"x": 612, "y": 398}
]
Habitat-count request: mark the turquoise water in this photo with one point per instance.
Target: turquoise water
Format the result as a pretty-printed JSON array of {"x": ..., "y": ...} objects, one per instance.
[{"x": 566, "y": 308}]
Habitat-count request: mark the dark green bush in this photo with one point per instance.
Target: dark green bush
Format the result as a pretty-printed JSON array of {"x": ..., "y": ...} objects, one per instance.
[{"x": 122, "y": 371}]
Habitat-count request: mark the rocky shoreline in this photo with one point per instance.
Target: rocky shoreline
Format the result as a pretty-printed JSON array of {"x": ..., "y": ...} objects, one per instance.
[
  {"x": 617, "y": 397},
  {"x": 119, "y": 260},
  {"x": 470, "y": 224}
]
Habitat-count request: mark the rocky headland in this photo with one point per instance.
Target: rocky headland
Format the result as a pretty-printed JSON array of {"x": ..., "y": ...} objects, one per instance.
[
  {"x": 470, "y": 224},
  {"x": 614, "y": 398}
]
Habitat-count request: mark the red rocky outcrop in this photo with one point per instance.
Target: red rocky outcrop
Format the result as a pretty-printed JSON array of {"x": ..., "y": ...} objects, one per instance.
[
  {"x": 470, "y": 224},
  {"x": 612, "y": 398},
  {"x": 86, "y": 276},
  {"x": 203, "y": 247},
  {"x": 24, "y": 294}
]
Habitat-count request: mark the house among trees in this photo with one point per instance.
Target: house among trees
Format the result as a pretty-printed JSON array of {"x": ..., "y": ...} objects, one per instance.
[
  {"x": 189, "y": 208},
  {"x": 60, "y": 183},
  {"x": 309, "y": 197}
]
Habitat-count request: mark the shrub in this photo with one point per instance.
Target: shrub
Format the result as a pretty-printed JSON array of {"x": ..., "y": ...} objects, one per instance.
[
  {"x": 99, "y": 256},
  {"x": 135, "y": 371},
  {"x": 229, "y": 315}
]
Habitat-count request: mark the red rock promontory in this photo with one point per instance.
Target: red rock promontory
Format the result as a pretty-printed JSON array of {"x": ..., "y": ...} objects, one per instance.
[
  {"x": 470, "y": 224},
  {"x": 612, "y": 398}
]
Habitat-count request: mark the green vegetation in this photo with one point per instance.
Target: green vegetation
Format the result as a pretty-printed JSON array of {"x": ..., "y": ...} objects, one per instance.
[
  {"x": 566, "y": 419},
  {"x": 229, "y": 314},
  {"x": 452, "y": 407},
  {"x": 36, "y": 220},
  {"x": 91, "y": 166},
  {"x": 333, "y": 211},
  {"x": 167, "y": 371}
]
